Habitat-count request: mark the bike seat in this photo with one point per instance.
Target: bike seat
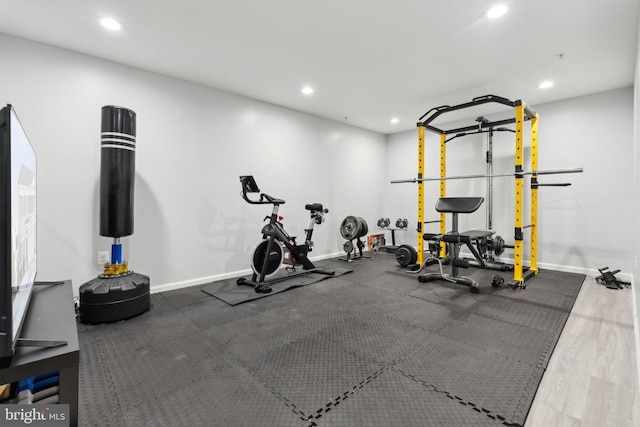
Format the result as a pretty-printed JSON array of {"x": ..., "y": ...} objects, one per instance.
[
  {"x": 271, "y": 200},
  {"x": 313, "y": 207}
]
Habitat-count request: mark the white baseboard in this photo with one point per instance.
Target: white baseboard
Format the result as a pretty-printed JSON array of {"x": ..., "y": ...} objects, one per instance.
[
  {"x": 208, "y": 279},
  {"x": 199, "y": 281},
  {"x": 591, "y": 272}
]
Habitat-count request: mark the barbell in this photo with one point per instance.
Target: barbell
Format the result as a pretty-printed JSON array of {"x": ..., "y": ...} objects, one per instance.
[
  {"x": 407, "y": 255},
  {"x": 539, "y": 172}
]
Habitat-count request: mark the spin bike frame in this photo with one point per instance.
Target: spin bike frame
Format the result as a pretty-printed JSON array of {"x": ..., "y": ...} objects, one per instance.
[{"x": 274, "y": 232}]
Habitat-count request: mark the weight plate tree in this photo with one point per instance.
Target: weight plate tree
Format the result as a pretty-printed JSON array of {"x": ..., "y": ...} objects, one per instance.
[{"x": 351, "y": 228}]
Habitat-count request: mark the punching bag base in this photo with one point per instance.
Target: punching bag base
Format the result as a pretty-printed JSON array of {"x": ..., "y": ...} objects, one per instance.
[{"x": 110, "y": 299}]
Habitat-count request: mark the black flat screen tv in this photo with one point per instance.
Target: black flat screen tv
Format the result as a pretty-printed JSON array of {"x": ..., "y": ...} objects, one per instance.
[{"x": 17, "y": 229}]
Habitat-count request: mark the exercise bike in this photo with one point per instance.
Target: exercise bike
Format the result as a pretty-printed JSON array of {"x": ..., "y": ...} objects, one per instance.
[{"x": 277, "y": 247}]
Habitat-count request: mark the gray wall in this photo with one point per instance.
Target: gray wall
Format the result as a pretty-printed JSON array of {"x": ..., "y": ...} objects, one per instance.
[
  {"x": 193, "y": 142},
  {"x": 191, "y": 224},
  {"x": 582, "y": 227}
]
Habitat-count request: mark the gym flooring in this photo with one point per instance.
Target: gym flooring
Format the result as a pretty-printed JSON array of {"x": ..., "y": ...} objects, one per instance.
[{"x": 373, "y": 347}]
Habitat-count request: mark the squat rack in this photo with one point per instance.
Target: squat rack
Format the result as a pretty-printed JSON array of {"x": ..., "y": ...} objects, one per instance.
[{"x": 523, "y": 113}]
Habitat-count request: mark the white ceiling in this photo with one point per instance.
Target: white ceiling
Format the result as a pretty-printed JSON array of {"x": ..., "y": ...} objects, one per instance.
[{"x": 368, "y": 61}]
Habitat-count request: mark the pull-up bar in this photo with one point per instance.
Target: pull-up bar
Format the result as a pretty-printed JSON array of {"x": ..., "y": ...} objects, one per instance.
[
  {"x": 434, "y": 113},
  {"x": 477, "y": 132}
]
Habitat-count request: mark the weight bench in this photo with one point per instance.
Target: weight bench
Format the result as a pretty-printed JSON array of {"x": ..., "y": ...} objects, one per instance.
[{"x": 455, "y": 206}]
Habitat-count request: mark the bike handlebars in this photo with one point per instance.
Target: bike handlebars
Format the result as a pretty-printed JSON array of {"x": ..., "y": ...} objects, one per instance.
[
  {"x": 265, "y": 199},
  {"x": 249, "y": 185}
]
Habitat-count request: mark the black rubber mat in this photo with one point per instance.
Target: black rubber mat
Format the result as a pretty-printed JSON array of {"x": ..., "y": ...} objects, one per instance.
[
  {"x": 374, "y": 347},
  {"x": 395, "y": 399},
  {"x": 229, "y": 291}
]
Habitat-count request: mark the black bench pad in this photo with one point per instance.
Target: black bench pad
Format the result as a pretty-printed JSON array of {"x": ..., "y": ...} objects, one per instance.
[{"x": 458, "y": 204}]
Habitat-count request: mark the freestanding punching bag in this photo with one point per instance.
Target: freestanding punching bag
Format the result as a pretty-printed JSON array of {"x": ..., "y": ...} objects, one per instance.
[
  {"x": 118, "y": 293},
  {"x": 117, "y": 171}
]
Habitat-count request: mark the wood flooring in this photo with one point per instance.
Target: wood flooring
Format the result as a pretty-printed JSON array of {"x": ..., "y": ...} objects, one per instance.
[{"x": 592, "y": 377}]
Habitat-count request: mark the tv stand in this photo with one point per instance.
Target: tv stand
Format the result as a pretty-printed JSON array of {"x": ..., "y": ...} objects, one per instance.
[
  {"x": 56, "y": 283},
  {"x": 25, "y": 342},
  {"x": 51, "y": 315}
]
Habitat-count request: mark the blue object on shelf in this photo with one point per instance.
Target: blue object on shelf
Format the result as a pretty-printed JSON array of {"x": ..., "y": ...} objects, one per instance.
[{"x": 39, "y": 382}]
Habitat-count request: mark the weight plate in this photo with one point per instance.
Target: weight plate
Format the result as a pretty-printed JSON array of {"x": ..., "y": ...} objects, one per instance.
[
  {"x": 358, "y": 232},
  {"x": 349, "y": 228},
  {"x": 498, "y": 245},
  {"x": 363, "y": 228},
  {"x": 275, "y": 258},
  {"x": 406, "y": 255},
  {"x": 348, "y": 246}
]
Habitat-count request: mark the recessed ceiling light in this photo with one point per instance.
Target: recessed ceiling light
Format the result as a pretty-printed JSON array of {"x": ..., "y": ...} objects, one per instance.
[
  {"x": 307, "y": 90},
  {"x": 395, "y": 120},
  {"x": 545, "y": 84},
  {"x": 111, "y": 24},
  {"x": 497, "y": 11}
]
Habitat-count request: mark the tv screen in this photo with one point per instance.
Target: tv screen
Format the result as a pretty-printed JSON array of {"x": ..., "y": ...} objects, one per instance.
[{"x": 17, "y": 228}]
